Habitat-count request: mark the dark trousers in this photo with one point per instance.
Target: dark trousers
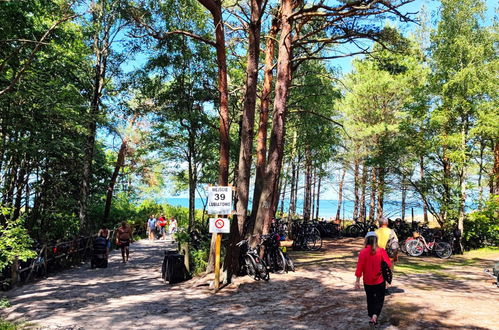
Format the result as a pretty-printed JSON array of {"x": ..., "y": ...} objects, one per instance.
[{"x": 375, "y": 298}]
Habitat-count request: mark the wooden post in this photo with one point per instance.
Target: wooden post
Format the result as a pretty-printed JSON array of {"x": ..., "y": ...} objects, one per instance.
[
  {"x": 13, "y": 271},
  {"x": 184, "y": 248},
  {"x": 218, "y": 244},
  {"x": 45, "y": 260}
]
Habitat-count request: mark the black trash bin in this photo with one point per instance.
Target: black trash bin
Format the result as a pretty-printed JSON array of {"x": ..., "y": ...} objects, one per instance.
[{"x": 173, "y": 269}]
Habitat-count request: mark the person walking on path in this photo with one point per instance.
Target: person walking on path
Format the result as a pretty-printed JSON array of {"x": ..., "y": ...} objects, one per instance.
[
  {"x": 123, "y": 239},
  {"x": 172, "y": 227},
  {"x": 104, "y": 233},
  {"x": 151, "y": 227},
  {"x": 160, "y": 224},
  {"x": 369, "y": 267}
]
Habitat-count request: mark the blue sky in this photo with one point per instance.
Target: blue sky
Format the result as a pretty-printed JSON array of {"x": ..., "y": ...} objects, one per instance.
[{"x": 432, "y": 6}]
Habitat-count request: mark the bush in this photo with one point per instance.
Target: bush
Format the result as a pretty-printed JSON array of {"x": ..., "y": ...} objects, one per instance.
[
  {"x": 481, "y": 228},
  {"x": 14, "y": 241}
]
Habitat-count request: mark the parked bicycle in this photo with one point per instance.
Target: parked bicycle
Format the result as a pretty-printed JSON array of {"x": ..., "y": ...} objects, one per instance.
[
  {"x": 419, "y": 245},
  {"x": 251, "y": 263},
  {"x": 306, "y": 236},
  {"x": 273, "y": 256},
  {"x": 359, "y": 228},
  {"x": 328, "y": 229}
]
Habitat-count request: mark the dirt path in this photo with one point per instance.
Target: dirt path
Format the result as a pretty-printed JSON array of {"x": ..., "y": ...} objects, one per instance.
[{"x": 430, "y": 293}]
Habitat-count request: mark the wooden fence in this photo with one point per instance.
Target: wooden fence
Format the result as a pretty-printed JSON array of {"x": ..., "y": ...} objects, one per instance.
[{"x": 53, "y": 258}]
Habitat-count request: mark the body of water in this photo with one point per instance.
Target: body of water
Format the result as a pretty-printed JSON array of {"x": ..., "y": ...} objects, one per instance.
[{"x": 327, "y": 207}]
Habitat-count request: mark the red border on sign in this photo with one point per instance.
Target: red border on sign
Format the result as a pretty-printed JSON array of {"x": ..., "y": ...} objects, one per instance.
[{"x": 219, "y": 223}]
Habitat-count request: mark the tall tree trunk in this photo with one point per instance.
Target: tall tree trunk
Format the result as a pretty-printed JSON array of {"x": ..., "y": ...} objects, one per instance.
[
  {"x": 276, "y": 147},
  {"x": 120, "y": 162},
  {"x": 261, "y": 148},
  {"x": 215, "y": 8},
  {"x": 480, "y": 175},
  {"x": 308, "y": 185},
  {"x": 318, "y": 198},
  {"x": 446, "y": 185},
  {"x": 496, "y": 167},
  {"x": 22, "y": 181},
  {"x": 372, "y": 199},
  {"x": 192, "y": 194},
  {"x": 356, "y": 175},
  {"x": 422, "y": 177},
  {"x": 380, "y": 191},
  {"x": 101, "y": 52},
  {"x": 246, "y": 140},
  {"x": 294, "y": 179},
  {"x": 193, "y": 175},
  {"x": 314, "y": 180},
  {"x": 340, "y": 194},
  {"x": 404, "y": 196},
  {"x": 292, "y": 192},
  {"x": 463, "y": 176},
  {"x": 363, "y": 185}
]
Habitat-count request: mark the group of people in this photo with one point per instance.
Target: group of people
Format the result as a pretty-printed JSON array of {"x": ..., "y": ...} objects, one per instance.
[
  {"x": 369, "y": 267},
  {"x": 160, "y": 227}
]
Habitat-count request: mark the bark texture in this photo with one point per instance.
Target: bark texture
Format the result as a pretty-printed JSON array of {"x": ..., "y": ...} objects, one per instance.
[
  {"x": 276, "y": 147},
  {"x": 261, "y": 147},
  {"x": 340, "y": 194}
]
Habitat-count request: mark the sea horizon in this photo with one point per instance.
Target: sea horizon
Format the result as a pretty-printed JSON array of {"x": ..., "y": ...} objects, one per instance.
[{"x": 327, "y": 207}]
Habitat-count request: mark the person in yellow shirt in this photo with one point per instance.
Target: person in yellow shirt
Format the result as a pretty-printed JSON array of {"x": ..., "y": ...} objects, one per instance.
[{"x": 384, "y": 234}]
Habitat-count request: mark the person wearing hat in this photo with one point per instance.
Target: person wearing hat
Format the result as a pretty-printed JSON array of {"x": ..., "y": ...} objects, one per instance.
[{"x": 369, "y": 268}]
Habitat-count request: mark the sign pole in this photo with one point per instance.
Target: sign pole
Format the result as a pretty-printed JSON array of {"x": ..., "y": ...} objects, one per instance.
[
  {"x": 218, "y": 244},
  {"x": 219, "y": 202}
]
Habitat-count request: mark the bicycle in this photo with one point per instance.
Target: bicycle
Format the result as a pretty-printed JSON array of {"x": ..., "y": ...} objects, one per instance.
[
  {"x": 307, "y": 237},
  {"x": 251, "y": 263},
  {"x": 359, "y": 228},
  {"x": 418, "y": 245},
  {"x": 273, "y": 256},
  {"x": 328, "y": 229}
]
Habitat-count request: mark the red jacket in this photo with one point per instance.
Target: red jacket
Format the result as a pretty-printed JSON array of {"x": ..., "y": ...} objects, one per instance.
[{"x": 369, "y": 265}]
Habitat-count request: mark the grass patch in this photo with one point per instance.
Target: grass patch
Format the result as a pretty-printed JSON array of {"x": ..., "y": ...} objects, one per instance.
[
  {"x": 6, "y": 325},
  {"x": 483, "y": 253},
  {"x": 4, "y": 302},
  {"x": 417, "y": 267}
]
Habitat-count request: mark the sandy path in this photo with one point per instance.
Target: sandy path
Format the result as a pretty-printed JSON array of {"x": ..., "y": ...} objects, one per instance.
[{"x": 318, "y": 296}]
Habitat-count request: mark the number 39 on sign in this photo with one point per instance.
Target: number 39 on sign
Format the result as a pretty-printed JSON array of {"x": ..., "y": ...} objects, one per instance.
[{"x": 219, "y": 200}]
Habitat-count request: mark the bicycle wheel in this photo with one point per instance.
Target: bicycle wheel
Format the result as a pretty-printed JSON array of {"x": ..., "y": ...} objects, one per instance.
[
  {"x": 261, "y": 268},
  {"x": 290, "y": 266},
  {"x": 250, "y": 266},
  {"x": 415, "y": 248},
  {"x": 313, "y": 241},
  {"x": 356, "y": 231},
  {"x": 443, "y": 250},
  {"x": 403, "y": 246},
  {"x": 280, "y": 262}
]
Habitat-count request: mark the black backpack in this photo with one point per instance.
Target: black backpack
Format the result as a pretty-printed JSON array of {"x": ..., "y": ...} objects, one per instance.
[{"x": 392, "y": 246}]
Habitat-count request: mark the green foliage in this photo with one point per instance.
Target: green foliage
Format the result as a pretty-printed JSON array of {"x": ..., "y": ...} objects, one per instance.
[
  {"x": 6, "y": 325},
  {"x": 482, "y": 227},
  {"x": 4, "y": 302},
  {"x": 14, "y": 241},
  {"x": 199, "y": 259}
]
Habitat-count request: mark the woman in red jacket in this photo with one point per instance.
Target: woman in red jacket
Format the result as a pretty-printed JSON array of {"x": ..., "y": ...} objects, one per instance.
[{"x": 369, "y": 267}]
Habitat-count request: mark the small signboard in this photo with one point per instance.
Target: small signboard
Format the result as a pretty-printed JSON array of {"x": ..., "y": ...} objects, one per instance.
[
  {"x": 219, "y": 225},
  {"x": 219, "y": 200}
]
